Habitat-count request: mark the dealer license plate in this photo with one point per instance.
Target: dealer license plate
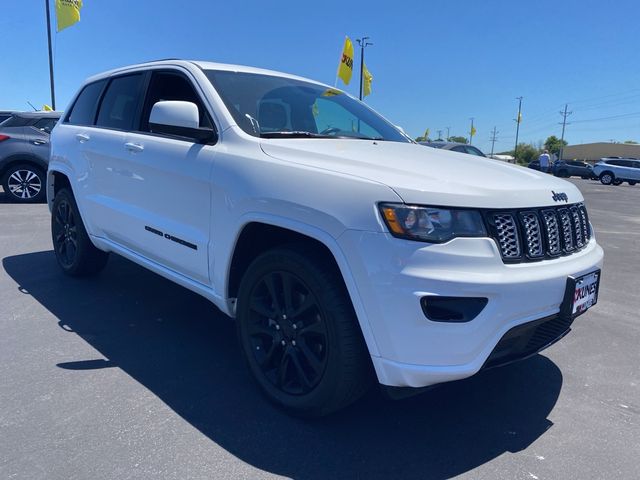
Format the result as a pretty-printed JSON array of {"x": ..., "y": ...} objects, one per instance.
[{"x": 584, "y": 292}]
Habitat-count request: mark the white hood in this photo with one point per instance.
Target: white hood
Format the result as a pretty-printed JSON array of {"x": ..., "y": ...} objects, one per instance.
[{"x": 425, "y": 175}]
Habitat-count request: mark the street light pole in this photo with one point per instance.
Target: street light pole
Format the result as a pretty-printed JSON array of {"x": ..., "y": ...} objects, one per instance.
[{"x": 518, "y": 118}]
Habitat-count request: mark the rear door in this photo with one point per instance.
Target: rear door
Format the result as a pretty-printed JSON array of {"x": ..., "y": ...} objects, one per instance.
[
  {"x": 160, "y": 185},
  {"x": 39, "y": 134}
]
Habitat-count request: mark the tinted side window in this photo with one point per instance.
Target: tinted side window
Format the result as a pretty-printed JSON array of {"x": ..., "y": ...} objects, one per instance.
[
  {"x": 459, "y": 148},
  {"x": 119, "y": 104},
  {"x": 616, "y": 163},
  {"x": 84, "y": 110},
  {"x": 46, "y": 124},
  {"x": 171, "y": 86},
  {"x": 474, "y": 151},
  {"x": 16, "y": 121}
]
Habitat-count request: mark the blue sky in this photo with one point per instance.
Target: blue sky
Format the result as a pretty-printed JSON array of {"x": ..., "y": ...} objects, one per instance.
[{"x": 435, "y": 63}]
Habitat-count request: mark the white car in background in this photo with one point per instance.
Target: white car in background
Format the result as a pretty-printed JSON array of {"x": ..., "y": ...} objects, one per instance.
[
  {"x": 345, "y": 251},
  {"x": 614, "y": 171}
]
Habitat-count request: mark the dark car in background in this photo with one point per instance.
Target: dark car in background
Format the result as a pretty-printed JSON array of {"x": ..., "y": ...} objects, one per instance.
[
  {"x": 24, "y": 154},
  {"x": 572, "y": 168},
  {"x": 455, "y": 147}
]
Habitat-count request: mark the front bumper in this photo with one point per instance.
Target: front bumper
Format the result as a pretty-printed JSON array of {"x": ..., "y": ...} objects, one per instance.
[{"x": 393, "y": 274}]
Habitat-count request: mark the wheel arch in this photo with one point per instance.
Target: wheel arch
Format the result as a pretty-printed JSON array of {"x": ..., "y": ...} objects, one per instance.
[
  {"x": 21, "y": 158},
  {"x": 258, "y": 236},
  {"x": 57, "y": 179}
]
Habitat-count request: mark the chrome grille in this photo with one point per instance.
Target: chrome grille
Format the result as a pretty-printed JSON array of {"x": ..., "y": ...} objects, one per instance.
[
  {"x": 508, "y": 237},
  {"x": 534, "y": 234}
]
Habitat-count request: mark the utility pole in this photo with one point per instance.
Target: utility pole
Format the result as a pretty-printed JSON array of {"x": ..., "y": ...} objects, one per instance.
[
  {"x": 53, "y": 94},
  {"x": 471, "y": 132},
  {"x": 564, "y": 114},
  {"x": 439, "y": 134},
  {"x": 363, "y": 44},
  {"x": 448, "y": 134},
  {"x": 493, "y": 139},
  {"x": 518, "y": 119}
]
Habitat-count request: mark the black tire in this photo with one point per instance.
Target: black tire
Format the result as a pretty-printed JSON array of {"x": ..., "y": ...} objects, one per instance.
[
  {"x": 617, "y": 182},
  {"x": 607, "y": 178},
  {"x": 25, "y": 183},
  {"x": 75, "y": 253},
  {"x": 632, "y": 183},
  {"x": 313, "y": 361}
]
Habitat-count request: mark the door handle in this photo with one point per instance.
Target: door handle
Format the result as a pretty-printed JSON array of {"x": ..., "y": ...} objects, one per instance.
[
  {"x": 81, "y": 137},
  {"x": 134, "y": 147},
  {"x": 39, "y": 142}
]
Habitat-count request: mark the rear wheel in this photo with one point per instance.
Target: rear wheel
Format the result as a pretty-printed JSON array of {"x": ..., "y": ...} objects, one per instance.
[
  {"x": 75, "y": 253},
  {"x": 631, "y": 183},
  {"x": 606, "y": 178},
  {"x": 24, "y": 183},
  {"x": 299, "y": 333}
]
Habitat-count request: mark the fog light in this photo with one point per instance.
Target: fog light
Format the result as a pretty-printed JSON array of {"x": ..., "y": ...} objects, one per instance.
[{"x": 452, "y": 309}]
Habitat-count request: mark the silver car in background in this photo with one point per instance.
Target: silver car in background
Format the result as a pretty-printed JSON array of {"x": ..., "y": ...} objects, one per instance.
[{"x": 24, "y": 154}]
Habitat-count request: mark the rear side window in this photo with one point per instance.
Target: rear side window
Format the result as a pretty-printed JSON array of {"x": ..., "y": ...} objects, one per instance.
[
  {"x": 84, "y": 110},
  {"x": 120, "y": 102}
]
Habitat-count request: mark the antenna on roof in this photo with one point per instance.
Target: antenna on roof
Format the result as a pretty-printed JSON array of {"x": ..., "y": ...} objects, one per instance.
[{"x": 31, "y": 105}]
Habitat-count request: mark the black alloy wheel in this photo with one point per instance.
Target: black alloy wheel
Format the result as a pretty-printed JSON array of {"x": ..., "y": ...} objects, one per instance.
[
  {"x": 299, "y": 333},
  {"x": 65, "y": 233},
  {"x": 287, "y": 333},
  {"x": 75, "y": 253}
]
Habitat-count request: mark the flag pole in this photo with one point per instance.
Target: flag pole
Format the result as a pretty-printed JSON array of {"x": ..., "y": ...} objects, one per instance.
[{"x": 53, "y": 90}]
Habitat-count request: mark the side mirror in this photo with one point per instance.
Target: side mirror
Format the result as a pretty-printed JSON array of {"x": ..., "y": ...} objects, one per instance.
[{"x": 182, "y": 119}]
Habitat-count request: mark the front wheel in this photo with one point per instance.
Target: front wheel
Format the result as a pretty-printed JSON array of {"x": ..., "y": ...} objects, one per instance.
[
  {"x": 24, "y": 183},
  {"x": 299, "y": 333},
  {"x": 606, "y": 178},
  {"x": 75, "y": 253}
]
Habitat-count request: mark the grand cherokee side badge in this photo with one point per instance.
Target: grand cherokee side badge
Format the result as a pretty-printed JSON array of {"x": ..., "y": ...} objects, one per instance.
[{"x": 559, "y": 197}]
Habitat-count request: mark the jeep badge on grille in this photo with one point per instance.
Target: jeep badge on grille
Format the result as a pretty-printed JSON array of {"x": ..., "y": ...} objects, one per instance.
[{"x": 559, "y": 197}]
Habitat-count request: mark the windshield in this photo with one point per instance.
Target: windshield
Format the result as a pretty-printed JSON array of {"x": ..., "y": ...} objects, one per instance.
[{"x": 276, "y": 107}]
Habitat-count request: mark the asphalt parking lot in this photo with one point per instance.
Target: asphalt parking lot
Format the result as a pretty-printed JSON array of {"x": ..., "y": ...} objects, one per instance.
[{"x": 129, "y": 376}]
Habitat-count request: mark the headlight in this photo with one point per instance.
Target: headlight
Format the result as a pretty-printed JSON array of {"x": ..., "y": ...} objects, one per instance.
[{"x": 431, "y": 224}]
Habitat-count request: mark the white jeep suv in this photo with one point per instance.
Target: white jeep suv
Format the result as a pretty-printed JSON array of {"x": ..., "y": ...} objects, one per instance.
[{"x": 345, "y": 251}]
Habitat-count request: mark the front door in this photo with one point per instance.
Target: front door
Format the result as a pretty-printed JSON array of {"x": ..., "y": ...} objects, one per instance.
[{"x": 162, "y": 187}]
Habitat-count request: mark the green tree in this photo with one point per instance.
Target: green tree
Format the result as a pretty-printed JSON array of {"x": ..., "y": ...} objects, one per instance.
[
  {"x": 553, "y": 144},
  {"x": 422, "y": 139},
  {"x": 631, "y": 142},
  {"x": 526, "y": 153},
  {"x": 457, "y": 139}
]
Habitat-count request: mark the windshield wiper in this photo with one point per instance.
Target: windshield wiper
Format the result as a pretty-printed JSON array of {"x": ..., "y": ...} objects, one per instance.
[
  {"x": 294, "y": 134},
  {"x": 305, "y": 134}
]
